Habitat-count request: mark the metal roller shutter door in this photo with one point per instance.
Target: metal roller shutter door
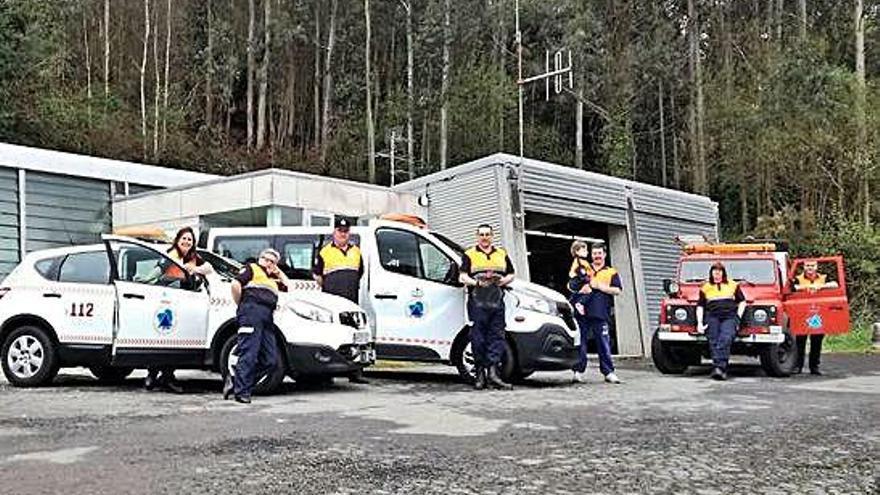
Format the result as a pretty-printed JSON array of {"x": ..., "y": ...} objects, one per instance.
[
  {"x": 9, "y": 221},
  {"x": 62, "y": 210}
]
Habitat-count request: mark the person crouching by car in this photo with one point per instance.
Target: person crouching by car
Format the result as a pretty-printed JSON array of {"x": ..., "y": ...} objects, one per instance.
[{"x": 721, "y": 306}]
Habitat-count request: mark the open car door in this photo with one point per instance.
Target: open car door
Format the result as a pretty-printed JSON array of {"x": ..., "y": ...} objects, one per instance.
[{"x": 822, "y": 310}]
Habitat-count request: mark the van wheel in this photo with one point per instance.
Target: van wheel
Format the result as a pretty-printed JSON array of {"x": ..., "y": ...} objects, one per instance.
[
  {"x": 110, "y": 374},
  {"x": 268, "y": 384},
  {"x": 670, "y": 359},
  {"x": 778, "y": 359},
  {"x": 29, "y": 357},
  {"x": 463, "y": 359}
]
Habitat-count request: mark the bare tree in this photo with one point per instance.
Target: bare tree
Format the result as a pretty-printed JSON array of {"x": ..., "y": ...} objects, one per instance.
[
  {"x": 251, "y": 69},
  {"x": 143, "y": 75},
  {"x": 371, "y": 137},
  {"x": 88, "y": 66},
  {"x": 264, "y": 75},
  {"x": 317, "y": 80},
  {"x": 579, "y": 129},
  {"x": 697, "y": 107},
  {"x": 663, "y": 174},
  {"x": 444, "y": 81},
  {"x": 861, "y": 126},
  {"x": 157, "y": 87},
  {"x": 106, "y": 49},
  {"x": 802, "y": 15},
  {"x": 410, "y": 92},
  {"x": 167, "y": 71},
  {"x": 209, "y": 69},
  {"x": 328, "y": 81}
]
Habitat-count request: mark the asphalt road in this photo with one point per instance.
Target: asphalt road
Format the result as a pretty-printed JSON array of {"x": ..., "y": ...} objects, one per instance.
[{"x": 421, "y": 431}]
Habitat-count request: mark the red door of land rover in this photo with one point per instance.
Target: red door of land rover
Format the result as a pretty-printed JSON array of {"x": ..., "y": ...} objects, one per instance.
[{"x": 823, "y": 310}]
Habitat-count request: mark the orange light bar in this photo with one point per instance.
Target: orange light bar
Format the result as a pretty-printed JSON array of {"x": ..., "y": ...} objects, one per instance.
[
  {"x": 729, "y": 248},
  {"x": 151, "y": 233},
  {"x": 414, "y": 220}
]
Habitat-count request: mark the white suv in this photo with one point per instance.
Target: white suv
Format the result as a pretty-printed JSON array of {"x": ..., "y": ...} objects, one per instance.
[{"x": 100, "y": 306}]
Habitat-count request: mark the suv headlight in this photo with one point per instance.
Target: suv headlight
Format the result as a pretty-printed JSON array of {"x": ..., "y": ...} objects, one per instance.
[
  {"x": 680, "y": 314},
  {"x": 760, "y": 316},
  {"x": 537, "y": 304},
  {"x": 310, "y": 311}
]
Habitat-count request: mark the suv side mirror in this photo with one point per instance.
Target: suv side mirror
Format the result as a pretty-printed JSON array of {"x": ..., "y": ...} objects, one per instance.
[
  {"x": 194, "y": 282},
  {"x": 670, "y": 287},
  {"x": 452, "y": 276}
]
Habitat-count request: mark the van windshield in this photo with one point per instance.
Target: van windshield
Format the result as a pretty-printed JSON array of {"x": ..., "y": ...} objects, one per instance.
[{"x": 753, "y": 271}]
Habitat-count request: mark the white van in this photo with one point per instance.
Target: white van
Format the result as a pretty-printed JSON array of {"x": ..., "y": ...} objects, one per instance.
[
  {"x": 413, "y": 299},
  {"x": 99, "y": 306}
]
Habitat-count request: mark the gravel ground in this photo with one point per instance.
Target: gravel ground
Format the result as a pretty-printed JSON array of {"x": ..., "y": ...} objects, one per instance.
[{"x": 419, "y": 430}]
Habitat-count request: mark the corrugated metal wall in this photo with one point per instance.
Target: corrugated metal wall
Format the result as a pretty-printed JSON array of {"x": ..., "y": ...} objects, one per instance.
[
  {"x": 458, "y": 206},
  {"x": 659, "y": 253},
  {"x": 9, "y": 248},
  {"x": 62, "y": 210},
  {"x": 564, "y": 192}
]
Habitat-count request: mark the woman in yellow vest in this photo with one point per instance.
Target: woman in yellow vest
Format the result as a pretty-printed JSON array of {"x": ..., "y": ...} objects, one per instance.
[
  {"x": 721, "y": 306},
  {"x": 183, "y": 251}
]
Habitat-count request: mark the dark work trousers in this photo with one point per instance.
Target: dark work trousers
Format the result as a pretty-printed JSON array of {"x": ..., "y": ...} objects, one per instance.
[
  {"x": 815, "y": 350},
  {"x": 598, "y": 330},
  {"x": 721, "y": 334},
  {"x": 257, "y": 349},
  {"x": 487, "y": 334}
]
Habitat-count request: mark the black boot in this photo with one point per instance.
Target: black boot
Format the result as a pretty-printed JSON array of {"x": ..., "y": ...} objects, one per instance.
[
  {"x": 228, "y": 386},
  {"x": 496, "y": 381},
  {"x": 152, "y": 379},
  {"x": 169, "y": 382},
  {"x": 358, "y": 377},
  {"x": 480, "y": 382}
]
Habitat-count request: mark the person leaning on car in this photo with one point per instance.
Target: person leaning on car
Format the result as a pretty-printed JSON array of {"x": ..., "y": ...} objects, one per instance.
[{"x": 721, "y": 306}]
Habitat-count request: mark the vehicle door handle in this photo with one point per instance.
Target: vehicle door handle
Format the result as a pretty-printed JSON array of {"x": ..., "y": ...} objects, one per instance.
[
  {"x": 52, "y": 294},
  {"x": 836, "y": 308},
  {"x": 129, "y": 295},
  {"x": 385, "y": 296}
]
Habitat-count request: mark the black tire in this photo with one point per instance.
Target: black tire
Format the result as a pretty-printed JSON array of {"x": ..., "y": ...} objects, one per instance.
[
  {"x": 110, "y": 374},
  {"x": 779, "y": 359},
  {"x": 26, "y": 373},
  {"x": 314, "y": 381},
  {"x": 463, "y": 360},
  {"x": 269, "y": 383},
  {"x": 520, "y": 376},
  {"x": 670, "y": 360}
]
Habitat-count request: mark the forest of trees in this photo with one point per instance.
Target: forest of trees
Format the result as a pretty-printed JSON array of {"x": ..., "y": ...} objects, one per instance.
[{"x": 768, "y": 106}]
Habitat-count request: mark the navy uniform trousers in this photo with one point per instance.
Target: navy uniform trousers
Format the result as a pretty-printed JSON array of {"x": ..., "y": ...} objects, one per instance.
[
  {"x": 257, "y": 348},
  {"x": 721, "y": 333},
  {"x": 487, "y": 334}
]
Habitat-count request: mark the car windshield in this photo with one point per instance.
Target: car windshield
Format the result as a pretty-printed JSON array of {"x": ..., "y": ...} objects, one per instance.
[
  {"x": 224, "y": 267},
  {"x": 752, "y": 271}
]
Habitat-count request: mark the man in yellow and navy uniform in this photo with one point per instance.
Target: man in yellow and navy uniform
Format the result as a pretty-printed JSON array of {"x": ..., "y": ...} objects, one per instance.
[
  {"x": 255, "y": 290},
  {"x": 810, "y": 281},
  {"x": 339, "y": 268},
  {"x": 723, "y": 304},
  {"x": 485, "y": 270},
  {"x": 597, "y": 298}
]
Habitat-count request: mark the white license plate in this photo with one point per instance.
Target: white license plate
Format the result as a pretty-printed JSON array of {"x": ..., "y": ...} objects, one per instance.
[{"x": 362, "y": 337}]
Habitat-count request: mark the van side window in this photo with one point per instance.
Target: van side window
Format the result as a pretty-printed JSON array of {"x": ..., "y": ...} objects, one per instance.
[
  {"x": 398, "y": 251},
  {"x": 298, "y": 255},
  {"x": 85, "y": 268},
  {"x": 436, "y": 265}
]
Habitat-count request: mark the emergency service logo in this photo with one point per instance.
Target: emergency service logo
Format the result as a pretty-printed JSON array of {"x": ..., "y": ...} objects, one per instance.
[
  {"x": 164, "y": 319},
  {"x": 415, "y": 309},
  {"x": 814, "y": 321}
]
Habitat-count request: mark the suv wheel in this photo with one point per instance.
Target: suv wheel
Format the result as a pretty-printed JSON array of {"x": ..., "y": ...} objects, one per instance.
[
  {"x": 29, "y": 357},
  {"x": 267, "y": 384},
  {"x": 778, "y": 359},
  {"x": 670, "y": 359}
]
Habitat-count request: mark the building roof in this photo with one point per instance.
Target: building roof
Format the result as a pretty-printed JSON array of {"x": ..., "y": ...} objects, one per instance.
[
  {"x": 58, "y": 162},
  {"x": 502, "y": 158}
]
